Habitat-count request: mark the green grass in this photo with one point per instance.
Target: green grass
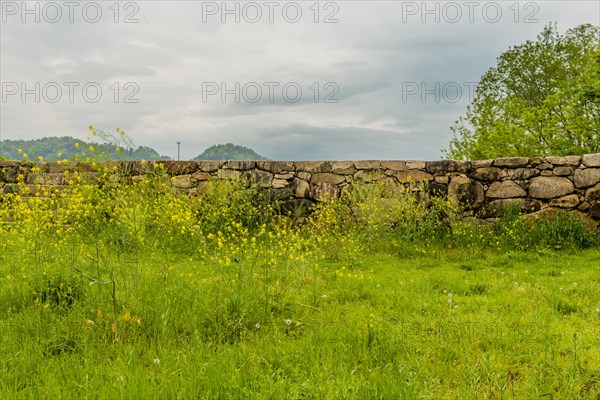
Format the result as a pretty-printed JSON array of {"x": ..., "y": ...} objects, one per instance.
[
  {"x": 111, "y": 291},
  {"x": 526, "y": 326}
]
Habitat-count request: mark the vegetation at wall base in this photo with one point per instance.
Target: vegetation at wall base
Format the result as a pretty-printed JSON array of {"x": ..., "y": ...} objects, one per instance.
[{"x": 129, "y": 288}]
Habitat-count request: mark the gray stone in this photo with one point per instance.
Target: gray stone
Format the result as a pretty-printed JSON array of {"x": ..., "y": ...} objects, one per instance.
[
  {"x": 511, "y": 162},
  {"x": 543, "y": 187},
  {"x": 444, "y": 166},
  {"x": 544, "y": 166},
  {"x": 586, "y": 177},
  {"x": 521, "y": 174},
  {"x": 327, "y": 178},
  {"x": 279, "y": 183},
  {"x": 368, "y": 176},
  {"x": 416, "y": 164},
  {"x": 276, "y": 167},
  {"x": 591, "y": 160},
  {"x": 313, "y": 166},
  {"x": 343, "y": 168},
  {"x": 593, "y": 194},
  {"x": 210, "y": 166},
  {"x": 304, "y": 176},
  {"x": 465, "y": 192},
  {"x": 413, "y": 176},
  {"x": 201, "y": 176},
  {"x": 567, "y": 160},
  {"x": 570, "y": 201},
  {"x": 287, "y": 176},
  {"x": 367, "y": 164},
  {"x": 261, "y": 178},
  {"x": 229, "y": 174},
  {"x": 183, "y": 181},
  {"x": 487, "y": 174},
  {"x": 564, "y": 170},
  {"x": 324, "y": 191},
  {"x": 241, "y": 165},
  {"x": 301, "y": 188},
  {"x": 394, "y": 165},
  {"x": 505, "y": 190},
  {"x": 481, "y": 163}
]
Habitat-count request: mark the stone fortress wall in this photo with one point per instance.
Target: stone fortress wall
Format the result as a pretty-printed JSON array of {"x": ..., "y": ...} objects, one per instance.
[{"x": 569, "y": 183}]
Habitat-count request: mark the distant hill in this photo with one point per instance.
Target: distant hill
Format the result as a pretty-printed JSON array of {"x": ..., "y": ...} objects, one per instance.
[
  {"x": 229, "y": 151},
  {"x": 58, "y": 148}
]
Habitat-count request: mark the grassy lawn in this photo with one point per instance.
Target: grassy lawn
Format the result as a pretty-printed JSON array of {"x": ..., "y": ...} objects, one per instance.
[{"x": 211, "y": 307}]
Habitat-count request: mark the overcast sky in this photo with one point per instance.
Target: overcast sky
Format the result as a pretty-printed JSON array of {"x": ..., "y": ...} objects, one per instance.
[{"x": 305, "y": 80}]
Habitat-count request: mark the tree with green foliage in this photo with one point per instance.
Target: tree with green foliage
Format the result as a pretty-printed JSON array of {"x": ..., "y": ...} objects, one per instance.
[
  {"x": 542, "y": 98},
  {"x": 229, "y": 151}
]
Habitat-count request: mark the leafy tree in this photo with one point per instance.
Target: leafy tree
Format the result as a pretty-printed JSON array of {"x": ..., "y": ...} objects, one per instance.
[
  {"x": 229, "y": 151},
  {"x": 542, "y": 98}
]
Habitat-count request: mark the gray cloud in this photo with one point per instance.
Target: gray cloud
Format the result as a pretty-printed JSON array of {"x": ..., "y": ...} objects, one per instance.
[{"x": 371, "y": 54}]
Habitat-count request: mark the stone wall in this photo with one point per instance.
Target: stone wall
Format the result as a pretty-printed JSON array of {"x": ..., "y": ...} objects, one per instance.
[{"x": 485, "y": 186}]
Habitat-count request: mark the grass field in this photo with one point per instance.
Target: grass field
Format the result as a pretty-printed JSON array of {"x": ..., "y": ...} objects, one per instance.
[{"x": 119, "y": 292}]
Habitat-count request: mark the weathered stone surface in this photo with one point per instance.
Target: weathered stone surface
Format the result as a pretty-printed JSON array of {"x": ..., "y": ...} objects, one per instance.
[
  {"x": 586, "y": 177},
  {"x": 444, "y": 166},
  {"x": 416, "y": 164},
  {"x": 276, "y": 167},
  {"x": 465, "y": 192},
  {"x": 46, "y": 179},
  {"x": 304, "y": 176},
  {"x": 279, "y": 183},
  {"x": 327, "y": 178},
  {"x": 261, "y": 178},
  {"x": 367, "y": 164},
  {"x": 313, "y": 166},
  {"x": 535, "y": 161},
  {"x": 564, "y": 170},
  {"x": 567, "y": 160},
  {"x": 368, "y": 176},
  {"x": 584, "y": 206},
  {"x": 543, "y": 187},
  {"x": 487, "y": 174},
  {"x": 240, "y": 165},
  {"x": 544, "y": 166},
  {"x": 288, "y": 176},
  {"x": 324, "y": 191},
  {"x": 546, "y": 173},
  {"x": 343, "y": 167},
  {"x": 55, "y": 167},
  {"x": 570, "y": 201},
  {"x": 591, "y": 160},
  {"x": 442, "y": 179},
  {"x": 301, "y": 188},
  {"x": 505, "y": 190},
  {"x": 179, "y": 167},
  {"x": 210, "y": 166},
  {"x": 394, "y": 165},
  {"x": 201, "y": 176},
  {"x": 593, "y": 194},
  {"x": 229, "y": 174},
  {"x": 511, "y": 162},
  {"x": 494, "y": 208},
  {"x": 521, "y": 174},
  {"x": 183, "y": 181},
  {"x": 481, "y": 163},
  {"x": 413, "y": 176}
]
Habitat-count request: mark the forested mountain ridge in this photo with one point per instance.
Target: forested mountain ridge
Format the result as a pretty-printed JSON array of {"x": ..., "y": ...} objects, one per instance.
[{"x": 66, "y": 147}]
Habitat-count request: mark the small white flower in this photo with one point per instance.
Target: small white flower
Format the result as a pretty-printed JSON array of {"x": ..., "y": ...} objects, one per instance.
[
  {"x": 120, "y": 378},
  {"x": 450, "y": 294},
  {"x": 156, "y": 361},
  {"x": 562, "y": 272},
  {"x": 288, "y": 321},
  {"x": 257, "y": 326},
  {"x": 574, "y": 283},
  {"x": 598, "y": 310},
  {"x": 449, "y": 301},
  {"x": 456, "y": 306},
  {"x": 444, "y": 291},
  {"x": 324, "y": 296},
  {"x": 378, "y": 285}
]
